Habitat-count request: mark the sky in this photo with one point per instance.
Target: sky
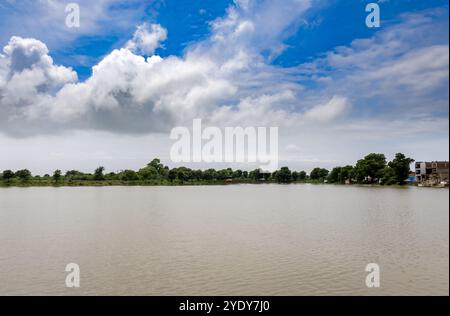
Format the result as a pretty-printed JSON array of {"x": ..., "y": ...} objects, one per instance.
[{"x": 110, "y": 91}]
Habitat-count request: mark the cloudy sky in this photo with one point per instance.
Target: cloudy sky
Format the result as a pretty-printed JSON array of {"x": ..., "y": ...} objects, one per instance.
[{"x": 109, "y": 92}]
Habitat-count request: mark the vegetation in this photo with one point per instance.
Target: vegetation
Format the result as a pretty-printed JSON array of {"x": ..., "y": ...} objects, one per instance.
[{"x": 372, "y": 169}]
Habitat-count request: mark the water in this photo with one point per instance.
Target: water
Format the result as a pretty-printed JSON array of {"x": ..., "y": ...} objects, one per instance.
[{"x": 224, "y": 240}]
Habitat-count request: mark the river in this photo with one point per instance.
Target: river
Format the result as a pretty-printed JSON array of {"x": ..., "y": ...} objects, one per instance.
[{"x": 224, "y": 240}]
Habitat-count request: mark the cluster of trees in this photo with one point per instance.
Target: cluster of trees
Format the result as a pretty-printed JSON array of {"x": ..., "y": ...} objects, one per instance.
[{"x": 372, "y": 169}]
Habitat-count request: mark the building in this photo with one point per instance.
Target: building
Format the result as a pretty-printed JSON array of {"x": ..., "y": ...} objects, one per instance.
[{"x": 432, "y": 173}]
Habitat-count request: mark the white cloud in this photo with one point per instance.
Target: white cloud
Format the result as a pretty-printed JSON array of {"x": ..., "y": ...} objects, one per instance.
[
  {"x": 147, "y": 39},
  {"x": 45, "y": 19},
  {"x": 330, "y": 111},
  {"x": 352, "y": 100},
  {"x": 401, "y": 70},
  {"x": 29, "y": 80},
  {"x": 130, "y": 93}
]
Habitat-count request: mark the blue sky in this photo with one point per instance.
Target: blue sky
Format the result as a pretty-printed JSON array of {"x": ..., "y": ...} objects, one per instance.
[
  {"x": 336, "y": 88},
  {"x": 332, "y": 23}
]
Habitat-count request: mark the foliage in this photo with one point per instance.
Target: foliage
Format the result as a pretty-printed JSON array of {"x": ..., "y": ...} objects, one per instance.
[
  {"x": 302, "y": 175},
  {"x": 319, "y": 174},
  {"x": 129, "y": 175},
  {"x": 389, "y": 177},
  {"x": 98, "y": 174},
  {"x": 284, "y": 175},
  {"x": 7, "y": 175},
  {"x": 340, "y": 174},
  {"x": 57, "y": 175},
  {"x": 371, "y": 169},
  {"x": 400, "y": 167},
  {"x": 23, "y": 174}
]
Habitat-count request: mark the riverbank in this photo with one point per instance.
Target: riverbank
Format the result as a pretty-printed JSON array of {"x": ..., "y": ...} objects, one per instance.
[
  {"x": 373, "y": 169},
  {"x": 89, "y": 183}
]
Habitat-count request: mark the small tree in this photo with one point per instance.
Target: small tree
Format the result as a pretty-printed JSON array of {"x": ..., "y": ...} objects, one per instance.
[
  {"x": 335, "y": 175},
  {"x": 302, "y": 175},
  {"x": 57, "y": 175},
  {"x": 319, "y": 174},
  {"x": 346, "y": 173},
  {"x": 129, "y": 175},
  {"x": 284, "y": 175},
  {"x": 172, "y": 174},
  {"x": 98, "y": 174},
  {"x": 389, "y": 176},
  {"x": 400, "y": 167}
]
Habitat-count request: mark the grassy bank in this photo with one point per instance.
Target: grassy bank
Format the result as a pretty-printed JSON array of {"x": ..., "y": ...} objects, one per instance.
[{"x": 89, "y": 183}]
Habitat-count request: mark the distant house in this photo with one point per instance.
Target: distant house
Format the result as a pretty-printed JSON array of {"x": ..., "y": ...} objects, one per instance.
[{"x": 432, "y": 173}]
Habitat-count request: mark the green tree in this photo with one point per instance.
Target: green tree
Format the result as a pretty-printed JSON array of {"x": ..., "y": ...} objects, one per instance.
[
  {"x": 154, "y": 170},
  {"x": 284, "y": 175},
  {"x": 129, "y": 175},
  {"x": 23, "y": 174},
  {"x": 149, "y": 172},
  {"x": 210, "y": 174},
  {"x": 8, "y": 175},
  {"x": 319, "y": 174},
  {"x": 184, "y": 174},
  {"x": 255, "y": 174},
  {"x": 112, "y": 176},
  {"x": 389, "y": 176},
  {"x": 340, "y": 174},
  {"x": 302, "y": 175},
  {"x": 223, "y": 174},
  {"x": 335, "y": 175},
  {"x": 370, "y": 168},
  {"x": 57, "y": 175},
  {"x": 295, "y": 176},
  {"x": 156, "y": 163},
  {"x": 76, "y": 175},
  {"x": 98, "y": 174},
  {"x": 197, "y": 175},
  {"x": 172, "y": 174},
  {"x": 401, "y": 167},
  {"x": 346, "y": 173},
  {"x": 237, "y": 174}
]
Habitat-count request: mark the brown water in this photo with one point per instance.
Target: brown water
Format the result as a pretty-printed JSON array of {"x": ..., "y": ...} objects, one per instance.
[{"x": 224, "y": 240}]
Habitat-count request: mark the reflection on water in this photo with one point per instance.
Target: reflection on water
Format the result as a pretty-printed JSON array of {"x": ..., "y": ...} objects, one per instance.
[{"x": 225, "y": 240}]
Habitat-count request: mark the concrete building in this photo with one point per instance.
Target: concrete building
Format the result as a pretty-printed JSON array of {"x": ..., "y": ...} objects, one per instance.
[{"x": 432, "y": 173}]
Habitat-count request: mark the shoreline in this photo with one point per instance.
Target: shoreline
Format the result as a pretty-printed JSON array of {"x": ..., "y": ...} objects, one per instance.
[{"x": 214, "y": 183}]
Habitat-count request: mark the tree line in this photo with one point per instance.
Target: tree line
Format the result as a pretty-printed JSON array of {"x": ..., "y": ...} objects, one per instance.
[{"x": 372, "y": 169}]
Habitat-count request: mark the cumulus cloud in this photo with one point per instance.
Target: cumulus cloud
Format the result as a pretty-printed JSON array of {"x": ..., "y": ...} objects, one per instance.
[
  {"x": 29, "y": 80},
  {"x": 131, "y": 93},
  {"x": 227, "y": 79},
  {"x": 147, "y": 39}
]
